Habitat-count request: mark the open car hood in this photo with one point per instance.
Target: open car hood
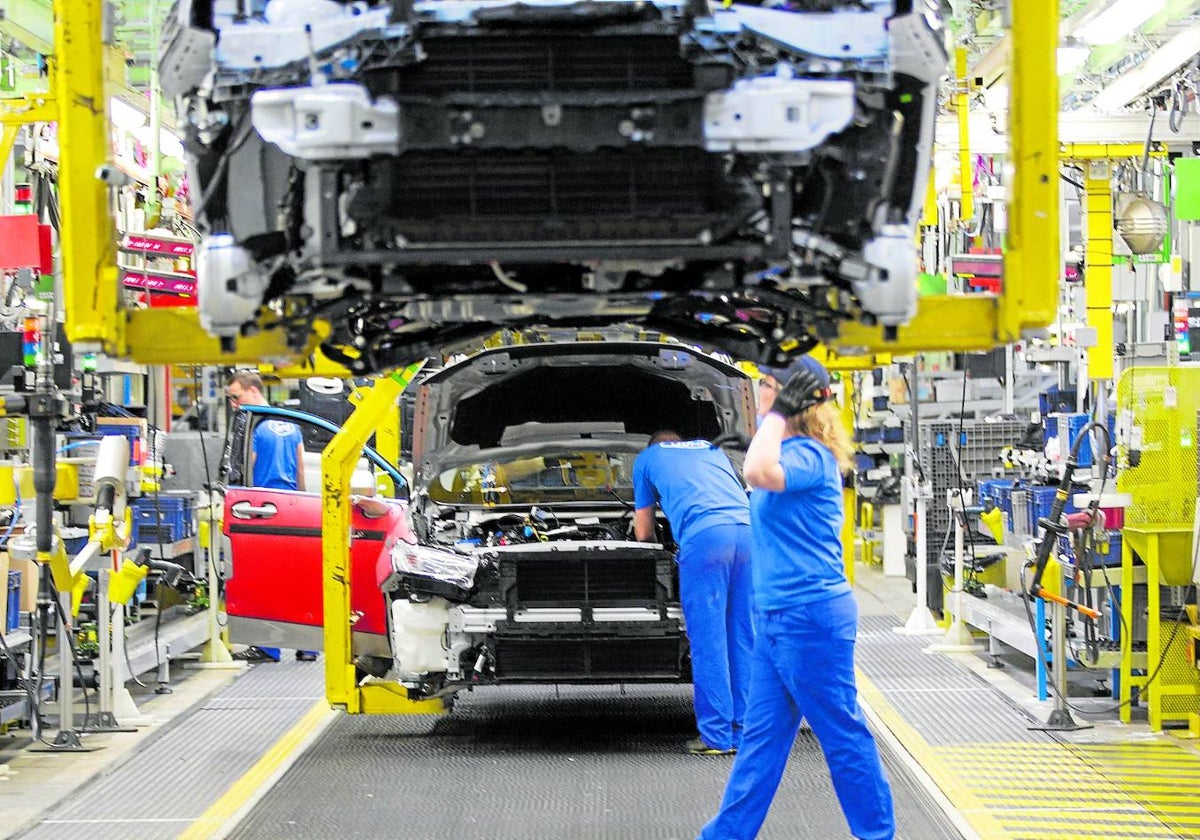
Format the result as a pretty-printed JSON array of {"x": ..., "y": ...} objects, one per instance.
[{"x": 556, "y": 399}]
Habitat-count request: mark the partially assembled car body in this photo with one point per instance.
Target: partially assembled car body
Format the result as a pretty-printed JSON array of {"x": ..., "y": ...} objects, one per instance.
[
  {"x": 513, "y": 560},
  {"x": 419, "y": 173}
]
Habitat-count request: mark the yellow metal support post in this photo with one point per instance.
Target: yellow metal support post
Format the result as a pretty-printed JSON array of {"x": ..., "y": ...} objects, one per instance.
[
  {"x": 337, "y": 463},
  {"x": 962, "y": 104},
  {"x": 387, "y": 440},
  {"x": 89, "y": 257},
  {"x": 849, "y": 493},
  {"x": 1033, "y": 258},
  {"x": 1098, "y": 261}
]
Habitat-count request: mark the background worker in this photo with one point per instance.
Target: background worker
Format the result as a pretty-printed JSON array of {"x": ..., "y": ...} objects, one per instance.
[
  {"x": 276, "y": 462},
  {"x": 706, "y": 506},
  {"x": 803, "y": 663},
  {"x": 277, "y": 448}
]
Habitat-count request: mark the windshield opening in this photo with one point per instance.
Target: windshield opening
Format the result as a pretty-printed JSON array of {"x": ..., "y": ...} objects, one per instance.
[{"x": 641, "y": 401}]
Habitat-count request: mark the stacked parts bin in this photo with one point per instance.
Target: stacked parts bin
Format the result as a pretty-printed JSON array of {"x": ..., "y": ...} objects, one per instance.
[
  {"x": 163, "y": 518},
  {"x": 952, "y": 456}
]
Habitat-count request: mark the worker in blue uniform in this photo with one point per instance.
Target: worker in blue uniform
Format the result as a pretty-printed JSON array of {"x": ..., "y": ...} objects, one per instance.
[
  {"x": 804, "y": 652},
  {"x": 705, "y": 503},
  {"x": 276, "y": 462}
]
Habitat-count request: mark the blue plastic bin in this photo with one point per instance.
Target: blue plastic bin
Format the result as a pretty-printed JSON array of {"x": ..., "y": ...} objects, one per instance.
[
  {"x": 12, "y": 618},
  {"x": 165, "y": 518},
  {"x": 1041, "y": 499}
]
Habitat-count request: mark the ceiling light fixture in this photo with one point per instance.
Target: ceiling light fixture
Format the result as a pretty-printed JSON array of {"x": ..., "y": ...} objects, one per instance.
[
  {"x": 1158, "y": 65},
  {"x": 124, "y": 115},
  {"x": 1120, "y": 19},
  {"x": 1071, "y": 56}
]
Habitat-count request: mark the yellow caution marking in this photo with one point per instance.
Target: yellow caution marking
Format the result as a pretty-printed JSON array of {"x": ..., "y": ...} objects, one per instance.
[
  {"x": 1057, "y": 791},
  {"x": 256, "y": 781},
  {"x": 949, "y": 780},
  {"x": 1051, "y": 790}
]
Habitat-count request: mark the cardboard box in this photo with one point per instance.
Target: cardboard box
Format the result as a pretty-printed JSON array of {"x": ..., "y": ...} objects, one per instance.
[{"x": 29, "y": 582}]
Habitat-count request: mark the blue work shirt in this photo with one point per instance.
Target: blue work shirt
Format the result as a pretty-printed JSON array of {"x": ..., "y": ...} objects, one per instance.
[
  {"x": 275, "y": 444},
  {"x": 797, "y": 532},
  {"x": 694, "y": 483}
]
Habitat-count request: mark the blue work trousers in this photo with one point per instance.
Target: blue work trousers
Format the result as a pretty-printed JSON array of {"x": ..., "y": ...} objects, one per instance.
[
  {"x": 718, "y": 606},
  {"x": 804, "y": 669}
]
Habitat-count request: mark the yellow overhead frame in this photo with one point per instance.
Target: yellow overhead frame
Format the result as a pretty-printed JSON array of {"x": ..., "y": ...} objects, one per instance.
[
  {"x": 337, "y": 463},
  {"x": 91, "y": 291},
  {"x": 91, "y": 297},
  {"x": 1030, "y": 296}
]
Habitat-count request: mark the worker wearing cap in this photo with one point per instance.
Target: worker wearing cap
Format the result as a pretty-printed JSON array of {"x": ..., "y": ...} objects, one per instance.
[
  {"x": 706, "y": 505},
  {"x": 774, "y": 378},
  {"x": 803, "y": 665}
]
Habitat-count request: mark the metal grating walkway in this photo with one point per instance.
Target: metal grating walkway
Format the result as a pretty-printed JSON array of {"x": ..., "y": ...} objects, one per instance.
[
  {"x": 530, "y": 762},
  {"x": 603, "y": 763},
  {"x": 165, "y": 786},
  {"x": 1013, "y": 783}
]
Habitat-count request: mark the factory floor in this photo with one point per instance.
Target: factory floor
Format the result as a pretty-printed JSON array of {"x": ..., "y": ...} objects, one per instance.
[{"x": 255, "y": 753}]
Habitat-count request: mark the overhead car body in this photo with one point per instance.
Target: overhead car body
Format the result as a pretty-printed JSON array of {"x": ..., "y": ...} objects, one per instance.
[{"x": 418, "y": 174}]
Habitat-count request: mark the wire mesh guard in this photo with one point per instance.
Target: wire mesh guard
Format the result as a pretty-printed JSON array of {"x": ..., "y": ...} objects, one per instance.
[{"x": 1156, "y": 444}]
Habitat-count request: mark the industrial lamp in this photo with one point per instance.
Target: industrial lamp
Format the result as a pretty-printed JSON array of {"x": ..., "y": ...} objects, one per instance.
[{"x": 1141, "y": 222}]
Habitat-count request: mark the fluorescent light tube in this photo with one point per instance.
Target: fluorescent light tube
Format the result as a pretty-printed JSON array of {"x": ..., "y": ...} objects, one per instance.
[
  {"x": 1121, "y": 18},
  {"x": 1158, "y": 65},
  {"x": 1071, "y": 57}
]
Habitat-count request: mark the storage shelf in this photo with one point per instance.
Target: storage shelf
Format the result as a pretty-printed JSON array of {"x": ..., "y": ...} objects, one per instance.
[
  {"x": 881, "y": 448},
  {"x": 16, "y": 638},
  {"x": 169, "y": 551}
]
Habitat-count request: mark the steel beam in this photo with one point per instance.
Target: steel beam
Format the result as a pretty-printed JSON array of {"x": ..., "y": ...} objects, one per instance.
[
  {"x": 960, "y": 323},
  {"x": 1031, "y": 273},
  {"x": 22, "y": 110}
]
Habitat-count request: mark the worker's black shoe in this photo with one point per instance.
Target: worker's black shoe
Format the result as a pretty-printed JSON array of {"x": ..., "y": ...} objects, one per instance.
[
  {"x": 306, "y": 655},
  {"x": 697, "y": 746},
  {"x": 254, "y": 654}
]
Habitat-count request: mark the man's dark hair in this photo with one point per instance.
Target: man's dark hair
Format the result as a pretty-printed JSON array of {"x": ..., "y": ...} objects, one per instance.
[
  {"x": 664, "y": 435},
  {"x": 248, "y": 379}
]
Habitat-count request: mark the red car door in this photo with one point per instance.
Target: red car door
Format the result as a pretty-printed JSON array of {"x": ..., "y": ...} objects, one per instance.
[{"x": 273, "y": 588}]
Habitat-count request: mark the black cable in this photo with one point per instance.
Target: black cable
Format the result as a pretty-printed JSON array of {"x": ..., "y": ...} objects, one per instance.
[
  {"x": 1149, "y": 140},
  {"x": 1127, "y": 633},
  {"x": 162, "y": 551},
  {"x": 245, "y": 129},
  {"x": 1178, "y": 108},
  {"x": 41, "y": 631},
  {"x": 958, "y": 470},
  {"x": 208, "y": 483},
  {"x": 200, "y": 430},
  {"x": 128, "y": 663},
  {"x": 1071, "y": 181}
]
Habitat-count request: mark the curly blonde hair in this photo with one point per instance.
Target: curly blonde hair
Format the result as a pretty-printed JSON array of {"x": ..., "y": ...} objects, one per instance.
[{"x": 823, "y": 423}]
